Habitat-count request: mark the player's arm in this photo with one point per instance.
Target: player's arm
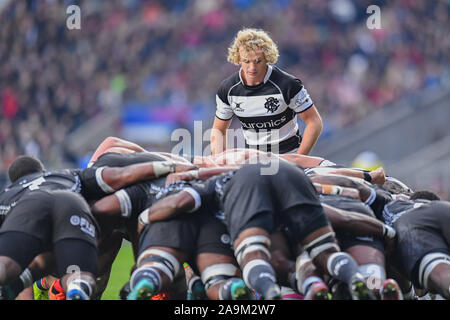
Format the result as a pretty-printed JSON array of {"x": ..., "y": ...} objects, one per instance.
[
  {"x": 114, "y": 143},
  {"x": 185, "y": 201},
  {"x": 313, "y": 128},
  {"x": 377, "y": 176},
  {"x": 200, "y": 174},
  {"x": 218, "y": 135},
  {"x": 123, "y": 203},
  {"x": 302, "y": 160},
  {"x": 337, "y": 190},
  {"x": 364, "y": 190},
  {"x": 112, "y": 179},
  {"x": 357, "y": 224}
]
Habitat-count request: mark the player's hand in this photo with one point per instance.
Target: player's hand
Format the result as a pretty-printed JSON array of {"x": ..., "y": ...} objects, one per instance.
[
  {"x": 182, "y": 176},
  {"x": 378, "y": 176}
]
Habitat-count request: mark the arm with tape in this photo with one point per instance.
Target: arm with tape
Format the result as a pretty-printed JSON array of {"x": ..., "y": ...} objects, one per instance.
[
  {"x": 337, "y": 190},
  {"x": 200, "y": 174},
  {"x": 363, "y": 188},
  {"x": 185, "y": 201},
  {"x": 113, "y": 178}
]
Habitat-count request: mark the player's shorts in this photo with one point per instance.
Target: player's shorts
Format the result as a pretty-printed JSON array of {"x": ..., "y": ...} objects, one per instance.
[
  {"x": 350, "y": 204},
  {"x": 194, "y": 233},
  {"x": 52, "y": 216},
  {"x": 423, "y": 230},
  {"x": 249, "y": 193}
]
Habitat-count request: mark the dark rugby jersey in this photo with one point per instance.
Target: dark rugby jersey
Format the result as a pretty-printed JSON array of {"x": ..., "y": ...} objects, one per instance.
[
  {"x": 397, "y": 208},
  {"x": 212, "y": 192},
  {"x": 267, "y": 112},
  {"x": 86, "y": 182},
  {"x": 136, "y": 198}
]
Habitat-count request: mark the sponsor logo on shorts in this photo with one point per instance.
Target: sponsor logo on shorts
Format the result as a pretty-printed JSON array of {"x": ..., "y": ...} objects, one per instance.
[
  {"x": 84, "y": 225},
  {"x": 225, "y": 238}
]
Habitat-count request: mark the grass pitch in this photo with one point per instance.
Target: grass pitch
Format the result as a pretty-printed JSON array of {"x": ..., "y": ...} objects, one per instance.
[{"x": 120, "y": 272}]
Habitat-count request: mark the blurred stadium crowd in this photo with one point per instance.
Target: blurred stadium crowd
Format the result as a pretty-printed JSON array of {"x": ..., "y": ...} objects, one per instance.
[{"x": 171, "y": 54}]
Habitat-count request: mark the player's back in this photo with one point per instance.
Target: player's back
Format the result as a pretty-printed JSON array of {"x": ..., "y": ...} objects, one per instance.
[{"x": 66, "y": 179}]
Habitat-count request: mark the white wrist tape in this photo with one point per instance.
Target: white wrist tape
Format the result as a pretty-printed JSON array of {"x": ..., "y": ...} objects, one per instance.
[
  {"x": 194, "y": 173},
  {"x": 143, "y": 217},
  {"x": 196, "y": 196},
  {"x": 161, "y": 168},
  {"x": 388, "y": 232}
]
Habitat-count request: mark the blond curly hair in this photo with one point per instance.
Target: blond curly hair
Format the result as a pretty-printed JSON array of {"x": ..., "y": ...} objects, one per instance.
[{"x": 253, "y": 40}]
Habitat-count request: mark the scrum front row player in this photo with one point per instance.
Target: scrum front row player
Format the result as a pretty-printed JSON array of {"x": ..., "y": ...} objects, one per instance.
[{"x": 48, "y": 211}]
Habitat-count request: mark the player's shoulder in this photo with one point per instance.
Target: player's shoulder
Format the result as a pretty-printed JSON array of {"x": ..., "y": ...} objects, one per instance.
[
  {"x": 282, "y": 77},
  {"x": 229, "y": 82},
  {"x": 286, "y": 82}
]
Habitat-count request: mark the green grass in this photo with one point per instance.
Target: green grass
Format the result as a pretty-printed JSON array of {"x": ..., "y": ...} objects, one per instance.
[{"x": 120, "y": 272}]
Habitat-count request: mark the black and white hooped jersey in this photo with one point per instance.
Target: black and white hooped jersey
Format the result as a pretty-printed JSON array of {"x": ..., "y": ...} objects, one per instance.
[{"x": 267, "y": 111}]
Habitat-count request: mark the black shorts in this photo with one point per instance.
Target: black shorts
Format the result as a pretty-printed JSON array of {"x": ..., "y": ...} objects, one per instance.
[
  {"x": 348, "y": 241},
  {"x": 298, "y": 222},
  {"x": 52, "y": 216},
  {"x": 194, "y": 233},
  {"x": 249, "y": 193},
  {"x": 421, "y": 231}
]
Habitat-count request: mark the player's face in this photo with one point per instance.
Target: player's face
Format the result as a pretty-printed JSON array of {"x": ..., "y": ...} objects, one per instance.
[{"x": 254, "y": 66}]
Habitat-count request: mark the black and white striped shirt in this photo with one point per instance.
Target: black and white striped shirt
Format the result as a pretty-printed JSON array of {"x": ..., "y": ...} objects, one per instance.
[{"x": 267, "y": 111}]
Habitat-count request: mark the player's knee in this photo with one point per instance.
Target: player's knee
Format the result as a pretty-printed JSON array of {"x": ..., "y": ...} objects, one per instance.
[
  {"x": 161, "y": 260},
  {"x": 3, "y": 275},
  {"x": 428, "y": 264},
  {"x": 8, "y": 269},
  {"x": 251, "y": 244}
]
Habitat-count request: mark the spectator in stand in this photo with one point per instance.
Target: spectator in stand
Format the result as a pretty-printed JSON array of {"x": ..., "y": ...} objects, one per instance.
[{"x": 53, "y": 79}]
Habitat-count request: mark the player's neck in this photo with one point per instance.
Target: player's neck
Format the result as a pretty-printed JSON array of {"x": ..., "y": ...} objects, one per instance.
[{"x": 253, "y": 81}]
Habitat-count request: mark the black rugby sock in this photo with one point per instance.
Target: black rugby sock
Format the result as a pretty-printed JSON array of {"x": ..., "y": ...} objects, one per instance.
[{"x": 342, "y": 267}]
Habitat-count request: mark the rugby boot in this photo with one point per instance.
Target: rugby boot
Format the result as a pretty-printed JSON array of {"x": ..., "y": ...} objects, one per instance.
[
  {"x": 143, "y": 290},
  {"x": 317, "y": 291},
  {"x": 273, "y": 293},
  {"x": 125, "y": 291},
  {"x": 78, "y": 291},
  {"x": 390, "y": 290},
  {"x": 6, "y": 293},
  {"x": 359, "y": 290},
  {"x": 239, "y": 291}
]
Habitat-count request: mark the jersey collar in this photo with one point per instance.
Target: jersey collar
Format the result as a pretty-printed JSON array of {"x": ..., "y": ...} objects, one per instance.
[{"x": 266, "y": 78}]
